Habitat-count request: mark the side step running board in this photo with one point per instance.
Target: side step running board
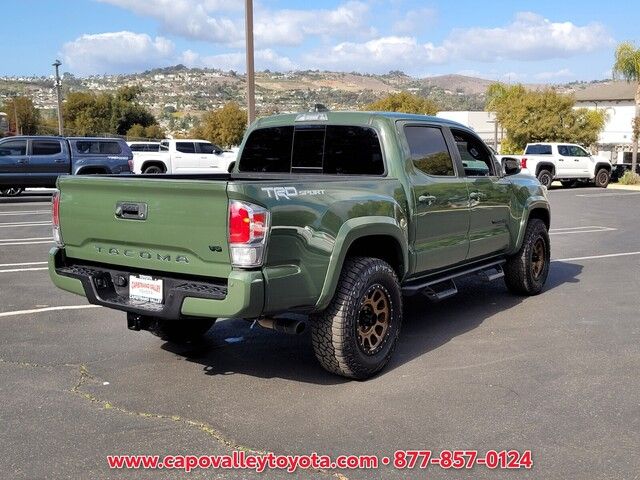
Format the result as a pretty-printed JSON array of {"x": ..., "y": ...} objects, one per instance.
[
  {"x": 443, "y": 286},
  {"x": 440, "y": 291}
]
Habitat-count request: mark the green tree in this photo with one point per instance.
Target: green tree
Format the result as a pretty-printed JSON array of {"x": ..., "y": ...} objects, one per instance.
[
  {"x": 224, "y": 127},
  {"x": 627, "y": 65},
  {"x": 541, "y": 116},
  {"x": 155, "y": 131},
  {"x": 27, "y": 115},
  {"x": 404, "y": 102},
  {"x": 136, "y": 131},
  {"x": 88, "y": 113}
]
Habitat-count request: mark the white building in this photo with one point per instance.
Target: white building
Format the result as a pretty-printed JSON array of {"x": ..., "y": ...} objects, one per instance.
[
  {"x": 617, "y": 100},
  {"x": 483, "y": 123}
]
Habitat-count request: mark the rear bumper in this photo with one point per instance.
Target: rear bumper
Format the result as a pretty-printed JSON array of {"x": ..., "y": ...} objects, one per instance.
[{"x": 241, "y": 295}]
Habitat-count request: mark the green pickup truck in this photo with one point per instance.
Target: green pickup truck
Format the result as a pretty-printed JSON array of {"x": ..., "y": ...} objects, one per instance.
[{"x": 332, "y": 215}]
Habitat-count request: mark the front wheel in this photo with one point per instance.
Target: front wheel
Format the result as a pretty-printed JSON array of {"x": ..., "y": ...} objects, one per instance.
[
  {"x": 602, "y": 178},
  {"x": 358, "y": 332},
  {"x": 545, "y": 178},
  {"x": 526, "y": 272}
]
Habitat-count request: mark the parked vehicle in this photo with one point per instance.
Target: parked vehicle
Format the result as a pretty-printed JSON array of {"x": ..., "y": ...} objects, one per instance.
[
  {"x": 184, "y": 156},
  {"x": 11, "y": 192},
  {"x": 38, "y": 161},
  {"x": 332, "y": 214},
  {"x": 139, "y": 146},
  {"x": 567, "y": 162}
]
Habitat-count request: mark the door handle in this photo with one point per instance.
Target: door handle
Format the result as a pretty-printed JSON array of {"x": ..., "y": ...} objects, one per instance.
[
  {"x": 561, "y": 159},
  {"x": 61, "y": 160},
  {"x": 477, "y": 196},
  {"x": 23, "y": 161},
  {"x": 576, "y": 159},
  {"x": 427, "y": 199}
]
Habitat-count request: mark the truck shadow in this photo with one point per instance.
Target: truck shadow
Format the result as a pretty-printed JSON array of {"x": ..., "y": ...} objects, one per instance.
[{"x": 232, "y": 347}]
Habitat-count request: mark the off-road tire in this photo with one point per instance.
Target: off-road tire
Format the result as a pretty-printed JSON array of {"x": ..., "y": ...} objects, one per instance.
[
  {"x": 334, "y": 331},
  {"x": 519, "y": 271},
  {"x": 153, "y": 170},
  {"x": 545, "y": 177},
  {"x": 602, "y": 178},
  {"x": 182, "y": 331}
]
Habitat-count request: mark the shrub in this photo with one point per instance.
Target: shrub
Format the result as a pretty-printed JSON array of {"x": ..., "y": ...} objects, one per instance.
[{"x": 629, "y": 178}]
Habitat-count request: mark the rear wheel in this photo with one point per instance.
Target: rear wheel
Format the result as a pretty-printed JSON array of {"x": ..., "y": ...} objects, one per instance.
[
  {"x": 357, "y": 334},
  {"x": 153, "y": 170},
  {"x": 602, "y": 178},
  {"x": 526, "y": 272},
  {"x": 182, "y": 331},
  {"x": 545, "y": 178}
]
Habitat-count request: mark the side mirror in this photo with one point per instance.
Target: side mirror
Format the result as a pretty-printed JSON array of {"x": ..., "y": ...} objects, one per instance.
[
  {"x": 511, "y": 166},
  {"x": 232, "y": 165}
]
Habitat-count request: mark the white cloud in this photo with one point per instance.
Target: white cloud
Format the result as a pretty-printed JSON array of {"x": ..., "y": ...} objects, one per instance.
[
  {"x": 116, "y": 52},
  {"x": 377, "y": 54},
  {"x": 264, "y": 59},
  {"x": 414, "y": 21},
  {"x": 529, "y": 37},
  {"x": 562, "y": 73},
  {"x": 222, "y": 22}
]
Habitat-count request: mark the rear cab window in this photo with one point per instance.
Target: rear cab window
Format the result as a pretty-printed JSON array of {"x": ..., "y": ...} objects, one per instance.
[
  {"x": 313, "y": 149},
  {"x": 185, "y": 147}
]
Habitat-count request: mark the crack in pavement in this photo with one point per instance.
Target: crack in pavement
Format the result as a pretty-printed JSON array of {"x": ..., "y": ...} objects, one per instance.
[{"x": 85, "y": 376}]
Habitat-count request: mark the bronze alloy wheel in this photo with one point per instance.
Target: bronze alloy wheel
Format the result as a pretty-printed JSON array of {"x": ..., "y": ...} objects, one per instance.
[
  {"x": 374, "y": 318},
  {"x": 538, "y": 258}
]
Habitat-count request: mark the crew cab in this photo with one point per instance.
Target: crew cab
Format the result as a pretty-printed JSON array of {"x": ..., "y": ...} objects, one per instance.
[
  {"x": 183, "y": 156},
  {"x": 34, "y": 161},
  {"x": 333, "y": 215},
  {"x": 567, "y": 162}
]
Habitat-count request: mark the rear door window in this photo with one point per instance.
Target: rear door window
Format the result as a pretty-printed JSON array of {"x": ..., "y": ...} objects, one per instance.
[
  {"x": 328, "y": 149},
  {"x": 185, "y": 147},
  {"x": 45, "y": 147}
]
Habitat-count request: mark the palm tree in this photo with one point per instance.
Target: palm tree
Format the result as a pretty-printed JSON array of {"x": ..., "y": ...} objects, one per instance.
[{"x": 627, "y": 65}]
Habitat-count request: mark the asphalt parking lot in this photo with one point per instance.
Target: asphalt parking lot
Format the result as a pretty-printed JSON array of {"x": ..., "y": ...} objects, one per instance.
[{"x": 557, "y": 373}]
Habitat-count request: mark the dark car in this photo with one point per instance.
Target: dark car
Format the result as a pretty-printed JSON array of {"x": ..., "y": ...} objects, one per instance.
[{"x": 36, "y": 161}]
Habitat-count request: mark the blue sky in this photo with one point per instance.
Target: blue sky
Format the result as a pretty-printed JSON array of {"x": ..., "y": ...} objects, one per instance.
[{"x": 541, "y": 41}]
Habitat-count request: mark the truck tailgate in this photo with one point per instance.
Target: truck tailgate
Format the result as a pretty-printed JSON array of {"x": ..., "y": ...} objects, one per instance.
[{"x": 184, "y": 230}]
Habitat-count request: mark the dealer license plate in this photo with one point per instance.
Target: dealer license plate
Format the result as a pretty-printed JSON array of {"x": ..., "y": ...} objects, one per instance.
[{"x": 145, "y": 289}]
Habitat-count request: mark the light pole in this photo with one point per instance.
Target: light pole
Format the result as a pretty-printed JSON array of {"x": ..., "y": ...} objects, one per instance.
[
  {"x": 57, "y": 64},
  {"x": 251, "y": 81}
]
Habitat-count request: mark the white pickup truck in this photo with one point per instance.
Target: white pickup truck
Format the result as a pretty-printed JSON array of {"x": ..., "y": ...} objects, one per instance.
[
  {"x": 567, "y": 162},
  {"x": 183, "y": 156}
]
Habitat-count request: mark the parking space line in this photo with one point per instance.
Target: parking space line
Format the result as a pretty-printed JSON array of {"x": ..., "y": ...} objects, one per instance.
[
  {"x": 31, "y": 212},
  {"x": 16, "y": 270},
  {"x": 607, "y": 194},
  {"x": 47, "y": 309},
  {"x": 24, "y": 239},
  {"x": 593, "y": 257},
  {"x": 25, "y": 243},
  {"x": 24, "y": 224},
  {"x": 21, "y": 264},
  {"x": 576, "y": 230}
]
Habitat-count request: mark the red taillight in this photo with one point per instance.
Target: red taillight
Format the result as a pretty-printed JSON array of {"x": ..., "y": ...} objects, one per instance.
[
  {"x": 239, "y": 223},
  {"x": 55, "y": 209},
  {"x": 130, "y": 162},
  {"x": 523, "y": 162},
  {"x": 55, "y": 219},
  {"x": 248, "y": 228}
]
